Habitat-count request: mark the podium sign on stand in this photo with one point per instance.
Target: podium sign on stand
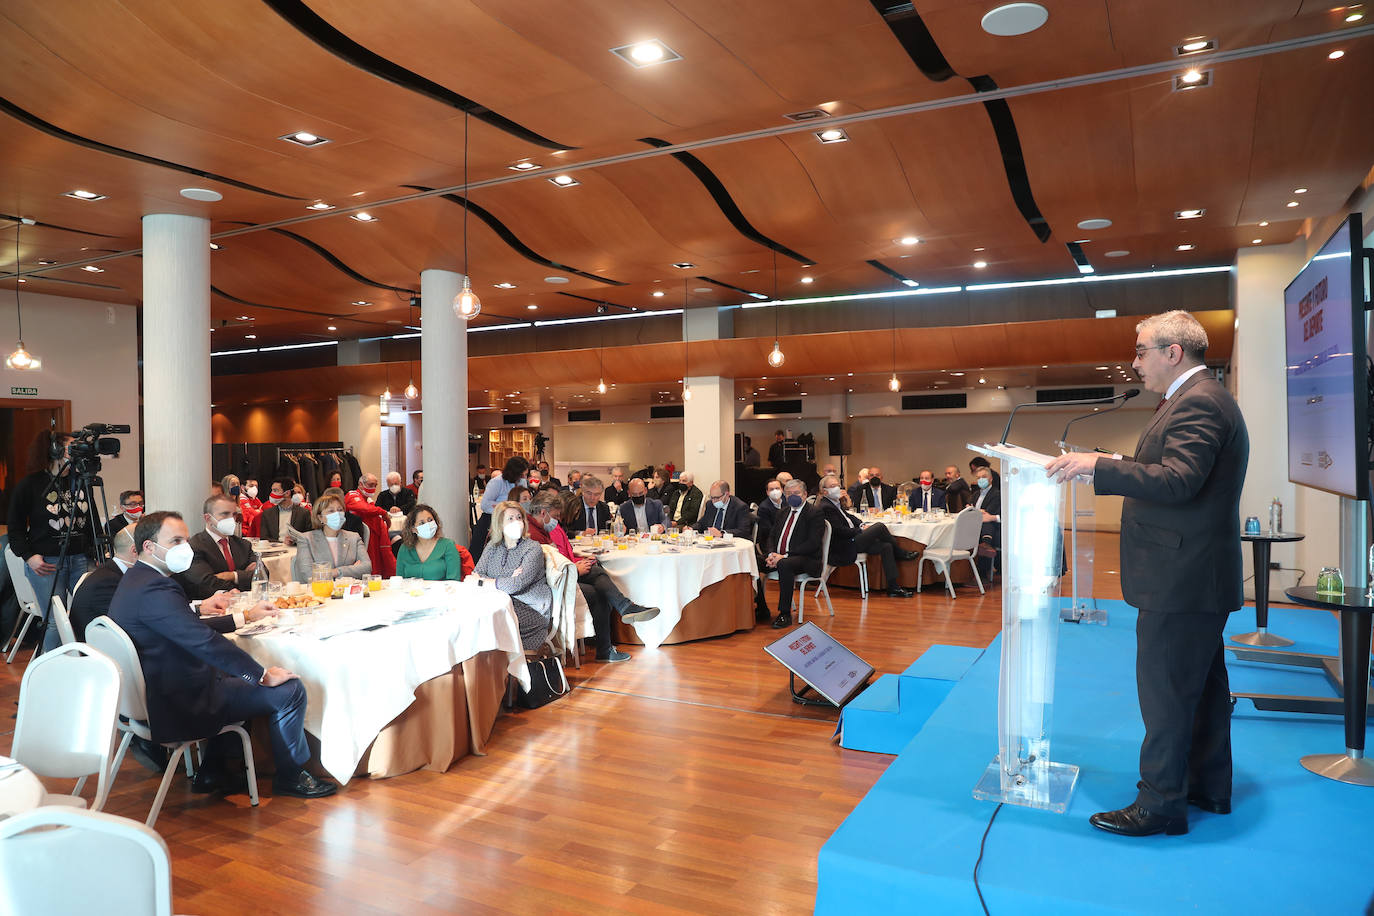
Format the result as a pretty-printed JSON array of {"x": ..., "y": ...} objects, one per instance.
[
  {"x": 1082, "y": 510},
  {"x": 1023, "y": 773}
]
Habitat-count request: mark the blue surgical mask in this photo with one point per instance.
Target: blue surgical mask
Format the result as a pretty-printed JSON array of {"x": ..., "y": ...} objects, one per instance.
[
  {"x": 427, "y": 530},
  {"x": 523, "y": 482},
  {"x": 721, "y": 503},
  {"x": 549, "y": 525},
  {"x": 984, "y": 483},
  {"x": 795, "y": 500},
  {"x": 334, "y": 520}
]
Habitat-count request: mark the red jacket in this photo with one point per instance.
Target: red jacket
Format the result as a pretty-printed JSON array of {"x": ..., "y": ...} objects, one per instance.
[
  {"x": 378, "y": 522},
  {"x": 250, "y": 507},
  {"x": 558, "y": 539}
]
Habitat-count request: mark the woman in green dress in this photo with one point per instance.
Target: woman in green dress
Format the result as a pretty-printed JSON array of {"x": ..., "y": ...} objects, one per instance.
[{"x": 425, "y": 553}]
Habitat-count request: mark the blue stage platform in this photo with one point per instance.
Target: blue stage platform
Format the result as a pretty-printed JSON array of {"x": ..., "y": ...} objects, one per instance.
[{"x": 1296, "y": 843}]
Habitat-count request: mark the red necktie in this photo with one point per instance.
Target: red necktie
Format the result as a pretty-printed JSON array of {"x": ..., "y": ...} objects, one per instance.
[
  {"x": 228, "y": 558},
  {"x": 786, "y": 533}
]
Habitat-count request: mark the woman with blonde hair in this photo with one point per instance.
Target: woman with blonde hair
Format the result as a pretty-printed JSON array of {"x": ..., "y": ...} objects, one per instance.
[
  {"x": 330, "y": 543},
  {"x": 515, "y": 564}
]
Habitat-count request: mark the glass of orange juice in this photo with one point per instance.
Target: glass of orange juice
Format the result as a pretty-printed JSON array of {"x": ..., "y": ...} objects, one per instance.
[
  {"x": 322, "y": 580},
  {"x": 374, "y": 583}
]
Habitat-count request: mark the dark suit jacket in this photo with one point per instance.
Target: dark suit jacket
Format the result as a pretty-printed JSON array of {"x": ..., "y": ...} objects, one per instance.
[
  {"x": 116, "y": 525},
  {"x": 775, "y": 453},
  {"x": 992, "y": 503},
  {"x": 183, "y": 659},
  {"x": 92, "y": 599},
  {"x": 1180, "y": 523},
  {"x": 603, "y": 517},
  {"x": 917, "y": 498},
  {"x": 690, "y": 498},
  {"x": 653, "y": 514},
  {"x": 957, "y": 494},
  {"x": 739, "y": 521},
  {"x": 200, "y": 582},
  {"x": 844, "y": 528},
  {"x": 612, "y": 495},
  {"x": 808, "y": 532},
  {"x": 765, "y": 514},
  {"x": 404, "y": 500},
  {"x": 270, "y": 526},
  {"x": 863, "y": 495}
]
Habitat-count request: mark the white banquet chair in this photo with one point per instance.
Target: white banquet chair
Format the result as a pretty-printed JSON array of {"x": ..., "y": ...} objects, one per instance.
[
  {"x": 963, "y": 546},
  {"x": 802, "y": 580},
  {"x": 91, "y": 862},
  {"x": 28, "y": 604},
  {"x": 63, "y": 621}
]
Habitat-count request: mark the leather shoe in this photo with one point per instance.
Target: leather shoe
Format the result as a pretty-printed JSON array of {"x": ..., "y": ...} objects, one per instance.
[
  {"x": 1214, "y": 805},
  {"x": 152, "y": 756},
  {"x": 638, "y": 613},
  {"x": 1134, "y": 820},
  {"x": 782, "y": 621},
  {"x": 214, "y": 780},
  {"x": 899, "y": 592},
  {"x": 908, "y": 554},
  {"x": 304, "y": 785},
  {"x": 615, "y": 656},
  {"x": 761, "y": 615}
]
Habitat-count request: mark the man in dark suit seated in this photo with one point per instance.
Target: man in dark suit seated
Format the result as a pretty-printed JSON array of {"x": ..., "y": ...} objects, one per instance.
[
  {"x": 641, "y": 512},
  {"x": 221, "y": 559},
  {"x": 595, "y": 515},
  {"x": 1181, "y": 568},
  {"x": 396, "y": 496},
  {"x": 549, "y": 481},
  {"x": 794, "y": 546},
  {"x": 926, "y": 496},
  {"x": 130, "y": 510},
  {"x": 874, "y": 493},
  {"x": 775, "y": 451},
  {"x": 956, "y": 489},
  {"x": 617, "y": 493},
  {"x": 281, "y": 512},
  {"x": 197, "y": 681},
  {"x": 850, "y": 537},
  {"x": 989, "y": 501},
  {"x": 685, "y": 506},
  {"x": 766, "y": 512},
  {"x": 725, "y": 512},
  {"x": 92, "y": 599}
]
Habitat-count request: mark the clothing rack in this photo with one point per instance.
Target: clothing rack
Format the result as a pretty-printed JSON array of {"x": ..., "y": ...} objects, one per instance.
[{"x": 263, "y": 461}]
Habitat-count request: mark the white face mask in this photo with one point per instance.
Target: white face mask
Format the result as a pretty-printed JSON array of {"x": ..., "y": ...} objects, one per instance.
[
  {"x": 834, "y": 492},
  {"x": 395, "y": 488},
  {"x": 296, "y": 499},
  {"x": 513, "y": 529},
  {"x": 427, "y": 530},
  {"x": 225, "y": 526},
  {"x": 178, "y": 558},
  {"x": 775, "y": 495},
  {"x": 334, "y": 520},
  {"x": 252, "y": 492},
  {"x": 927, "y": 484}
]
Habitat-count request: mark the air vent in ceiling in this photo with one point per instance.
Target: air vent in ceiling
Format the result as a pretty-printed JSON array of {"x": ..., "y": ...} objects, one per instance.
[
  {"x": 952, "y": 401},
  {"x": 584, "y": 416},
  {"x": 775, "y": 408},
  {"x": 513, "y": 419},
  {"x": 666, "y": 412},
  {"x": 1050, "y": 396}
]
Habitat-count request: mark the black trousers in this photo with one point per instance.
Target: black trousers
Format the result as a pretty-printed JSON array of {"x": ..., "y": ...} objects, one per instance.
[
  {"x": 1185, "y": 701},
  {"x": 283, "y": 707},
  {"x": 990, "y": 534},
  {"x": 603, "y": 598},
  {"x": 480, "y": 530},
  {"x": 787, "y": 569},
  {"x": 876, "y": 539}
]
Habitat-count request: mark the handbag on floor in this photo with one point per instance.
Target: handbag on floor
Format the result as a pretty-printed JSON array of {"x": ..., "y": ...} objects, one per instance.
[{"x": 547, "y": 683}]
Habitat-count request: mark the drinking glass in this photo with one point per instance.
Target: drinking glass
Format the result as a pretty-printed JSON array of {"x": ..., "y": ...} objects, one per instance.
[
  {"x": 374, "y": 583},
  {"x": 322, "y": 580}
]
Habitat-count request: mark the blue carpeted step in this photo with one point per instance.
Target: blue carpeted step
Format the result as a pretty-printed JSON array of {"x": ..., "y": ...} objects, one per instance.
[{"x": 888, "y": 714}]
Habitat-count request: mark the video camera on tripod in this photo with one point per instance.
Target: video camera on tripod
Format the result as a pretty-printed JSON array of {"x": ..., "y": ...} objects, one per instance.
[{"x": 87, "y": 445}]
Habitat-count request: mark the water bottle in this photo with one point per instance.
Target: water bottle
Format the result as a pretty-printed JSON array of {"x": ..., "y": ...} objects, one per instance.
[
  {"x": 617, "y": 526},
  {"x": 260, "y": 578},
  {"x": 1275, "y": 516}
]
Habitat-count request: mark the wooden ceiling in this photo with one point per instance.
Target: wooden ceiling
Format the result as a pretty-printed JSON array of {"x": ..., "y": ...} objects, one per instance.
[{"x": 139, "y": 99}]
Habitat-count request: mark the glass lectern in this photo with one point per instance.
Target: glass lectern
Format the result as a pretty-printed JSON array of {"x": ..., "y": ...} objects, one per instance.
[{"x": 1022, "y": 773}]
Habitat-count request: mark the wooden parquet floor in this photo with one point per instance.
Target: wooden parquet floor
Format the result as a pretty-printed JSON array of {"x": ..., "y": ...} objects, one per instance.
[{"x": 683, "y": 781}]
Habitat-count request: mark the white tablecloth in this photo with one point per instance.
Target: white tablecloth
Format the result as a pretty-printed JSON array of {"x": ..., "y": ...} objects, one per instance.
[
  {"x": 932, "y": 533},
  {"x": 20, "y": 790},
  {"x": 359, "y": 681},
  {"x": 670, "y": 581},
  {"x": 278, "y": 562}
]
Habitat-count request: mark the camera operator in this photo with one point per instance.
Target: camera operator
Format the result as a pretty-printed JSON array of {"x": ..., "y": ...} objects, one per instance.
[{"x": 42, "y": 507}]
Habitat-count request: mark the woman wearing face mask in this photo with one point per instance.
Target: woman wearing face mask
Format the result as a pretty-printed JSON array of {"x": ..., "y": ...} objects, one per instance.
[
  {"x": 515, "y": 564},
  {"x": 335, "y": 480},
  {"x": 425, "y": 553},
  {"x": 498, "y": 490},
  {"x": 298, "y": 497},
  {"x": 330, "y": 543}
]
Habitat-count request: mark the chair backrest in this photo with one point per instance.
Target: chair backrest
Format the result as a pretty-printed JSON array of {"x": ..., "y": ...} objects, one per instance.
[
  {"x": 84, "y": 576},
  {"x": 96, "y": 863},
  {"x": 968, "y": 524},
  {"x": 63, "y": 621},
  {"x": 68, "y": 700},
  {"x": 825, "y": 548},
  {"x": 23, "y": 588},
  {"x": 110, "y": 638}
]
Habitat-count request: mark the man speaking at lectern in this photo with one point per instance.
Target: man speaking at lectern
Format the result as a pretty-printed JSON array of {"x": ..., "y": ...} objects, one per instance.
[{"x": 1181, "y": 568}]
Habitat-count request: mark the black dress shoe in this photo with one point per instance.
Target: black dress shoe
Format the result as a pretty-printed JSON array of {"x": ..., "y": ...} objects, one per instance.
[
  {"x": 1134, "y": 820},
  {"x": 899, "y": 592},
  {"x": 217, "y": 780},
  {"x": 908, "y": 554},
  {"x": 152, "y": 756},
  {"x": 782, "y": 621},
  {"x": 303, "y": 785},
  {"x": 1214, "y": 805},
  {"x": 762, "y": 615}
]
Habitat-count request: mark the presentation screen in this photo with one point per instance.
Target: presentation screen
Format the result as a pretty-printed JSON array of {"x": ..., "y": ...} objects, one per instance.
[
  {"x": 1326, "y": 368},
  {"x": 818, "y": 659}
]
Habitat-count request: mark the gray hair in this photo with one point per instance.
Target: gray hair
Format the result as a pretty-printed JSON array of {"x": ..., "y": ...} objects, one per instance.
[
  {"x": 592, "y": 482},
  {"x": 834, "y": 481},
  {"x": 796, "y": 483},
  {"x": 1176, "y": 327}
]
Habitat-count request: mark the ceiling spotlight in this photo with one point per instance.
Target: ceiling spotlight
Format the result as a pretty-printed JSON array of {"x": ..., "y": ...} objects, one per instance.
[
  {"x": 204, "y": 195},
  {"x": 504, "y": 285},
  {"x": 684, "y": 265},
  {"x": 304, "y": 138},
  {"x": 1335, "y": 55},
  {"x": 1299, "y": 190},
  {"x": 980, "y": 264},
  {"x": 361, "y": 302},
  {"x": 525, "y": 166},
  {"x": 363, "y": 216},
  {"x": 331, "y": 328},
  {"x": 832, "y": 135},
  {"x": 1263, "y": 223},
  {"x": 91, "y": 268},
  {"x": 982, "y": 381},
  {"x": 1118, "y": 253},
  {"x": 1354, "y": 13},
  {"x": 1014, "y": 19},
  {"x": 250, "y": 337},
  {"x": 532, "y": 307},
  {"x": 1292, "y": 203},
  {"x": 1184, "y": 247},
  {"x": 1192, "y": 79},
  {"x": 1256, "y": 241},
  {"x": 808, "y": 279},
  {"x": 319, "y": 205},
  {"x": 908, "y": 240},
  {"x": 564, "y": 181},
  {"x": 658, "y": 294},
  {"x": 1195, "y": 46},
  {"x": 1188, "y": 214},
  {"x": 910, "y": 282},
  {"x": 646, "y": 53},
  {"x": 46, "y": 261},
  {"x": 215, "y": 246},
  {"x": 84, "y": 195}
]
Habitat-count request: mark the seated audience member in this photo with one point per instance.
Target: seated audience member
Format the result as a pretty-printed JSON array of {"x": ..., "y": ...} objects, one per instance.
[
  {"x": 859, "y": 480},
  {"x": 989, "y": 502},
  {"x": 850, "y": 537},
  {"x": 725, "y": 512},
  {"x": 602, "y": 595},
  {"x": 362, "y": 502},
  {"x": 299, "y": 497},
  {"x": 616, "y": 492},
  {"x": 752, "y": 458},
  {"x": 766, "y": 513},
  {"x": 250, "y": 507},
  {"x": 217, "y": 489},
  {"x": 776, "y": 457},
  {"x": 130, "y": 511},
  {"x": 655, "y": 488},
  {"x": 545, "y": 475},
  {"x": 572, "y": 511},
  {"x": 425, "y": 552},
  {"x": 497, "y": 491},
  {"x": 351, "y": 522},
  {"x": 220, "y": 559},
  {"x": 685, "y": 507},
  {"x": 794, "y": 546},
  {"x": 329, "y": 543},
  {"x": 593, "y": 515},
  {"x": 197, "y": 681},
  {"x": 830, "y": 471},
  {"x": 783, "y": 477},
  {"x": 481, "y": 477},
  {"x": 574, "y": 479},
  {"x": 396, "y": 499},
  {"x": 978, "y": 461},
  {"x": 282, "y": 512},
  {"x": 642, "y": 512},
  {"x": 229, "y": 486},
  {"x": 416, "y": 479},
  {"x": 515, "y": 564},
  {"x": 521, "y": 495},
  {"x": 335, "y": 481},
  {"x": 957, "y": 492},
  {"x": 927, "y": 496},
  {"x": 92, "y": 599},
  {"x": 875, "y": 494}
]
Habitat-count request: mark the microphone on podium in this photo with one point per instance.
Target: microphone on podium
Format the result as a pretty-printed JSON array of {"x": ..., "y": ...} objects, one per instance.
[
  {"x": 1123, "y": 398},
  {"x": 1084, "y": 402}
]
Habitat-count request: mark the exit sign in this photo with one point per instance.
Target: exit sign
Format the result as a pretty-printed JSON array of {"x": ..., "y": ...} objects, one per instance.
[{"x": 25, "y": 392}]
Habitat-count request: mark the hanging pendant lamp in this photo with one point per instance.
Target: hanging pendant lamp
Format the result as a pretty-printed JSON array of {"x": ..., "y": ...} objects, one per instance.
[
  {"x": 21, "y": 358},
  {"x": 686, "y": 347},
  {"x": 893, "y": 384},
  {"x": 466, "y": 305},
  {"x": 411, "y": 391},
  {"x": 775, "y": 358}
]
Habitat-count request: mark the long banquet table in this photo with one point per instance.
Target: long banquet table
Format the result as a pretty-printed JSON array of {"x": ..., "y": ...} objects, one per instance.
[
  {"x": 701, "y": 591},
  {"x": 423, "y": 689}
]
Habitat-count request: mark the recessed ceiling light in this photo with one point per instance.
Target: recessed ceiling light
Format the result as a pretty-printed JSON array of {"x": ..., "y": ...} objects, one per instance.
[
  {"x": 1095, "y": 223},
  {"x": 831, "y": 379},
  {"x": 215, "y": 246},
  {"x": 982, "y": 381},
  {"x": 1354, "y": 14},
  {"x": 319, "y": 205},
  {"x": 363, "y": 216},
  {"x": 532, "y": 307},
  {"x": 910, "y": 282},
  {"x": 1118, "y": 253},
  {"x": 1188, "y": 214},
  {"x": 1263, "y": 223},
  {"x": 702, "y": 289},
  {"x": 658, "y": 294},
  {"x": 91, "y": 268},
  {"x": 808, "y": 279},
  {"x": 1014, "y": 19},
  {"x": 555, "y": 279},
  {"x": 1192, "y": 79},
  {"x": 832, "y": 135},
  {"x": 504, "y": 285},
  {"x": 361, "y": 302},
  {"x": 980, "y": 264},
  {"x": 304, "y": 138},
  {"x": 46, "y": 261},
  {"x": 84, "y": 195},
  {"x": 1256, "y": 241},
  {"x": 646, "y": 53},
  {"x": 564, "y": 181},
  {"x": 525, "y": 166},
  {"x": 1195, "y": 46},
  {"x": 243, "y": 318},
  {"x": 1184, "y": 247},
  {"x": 331, "y": 328},
  {"x": 1292, "y": 203},
  {"x": 956, "y": 373},
  {"x": 684, "y": 265},
  {"x": 250, "y": 337},
  {"x": 908, "y": 240},
  {"x": 1335, "y": 55},
  {"x": 1299, "y": 190}
]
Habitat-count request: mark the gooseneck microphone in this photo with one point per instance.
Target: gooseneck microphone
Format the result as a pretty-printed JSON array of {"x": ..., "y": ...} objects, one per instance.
[
  {"x": 1085, "y": 402},
  {"x": 1124, "y": 396}
]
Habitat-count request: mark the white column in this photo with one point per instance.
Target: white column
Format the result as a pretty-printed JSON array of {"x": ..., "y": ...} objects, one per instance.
[
  {"x": 546, "y": 427},
  {"x": 444, "y": 392},
  {"x": 708, "y": 430},
  {"x": 176, "y": 363},
  {"x": 360, "y": 428}
]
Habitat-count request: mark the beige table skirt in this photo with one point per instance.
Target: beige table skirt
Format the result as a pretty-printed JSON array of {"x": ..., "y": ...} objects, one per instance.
[
  {"x": 848, "y": 576},
  {"x": 721, "y": 609}
]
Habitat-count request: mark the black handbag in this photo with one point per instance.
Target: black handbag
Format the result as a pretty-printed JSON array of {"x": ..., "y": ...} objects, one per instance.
[{"x": 547, "y": 683}]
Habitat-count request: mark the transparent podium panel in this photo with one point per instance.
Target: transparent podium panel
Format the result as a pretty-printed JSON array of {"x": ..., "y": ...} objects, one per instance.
[
  {"x": 1022, "y": 773},
  {"x": 1081, "y": 512}
]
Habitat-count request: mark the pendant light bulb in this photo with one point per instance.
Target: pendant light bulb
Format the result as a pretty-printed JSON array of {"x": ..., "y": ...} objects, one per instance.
[
  {"x": 383, "y": 407},
  {"x": 466, "y": 305},
  {"x": 21, "y": 359},
  {"x": 686, "y": 392},
  {"x": 386, "y": 395},
  {"x": 775, "y": 358},
  {"x": 601, "y": 386},
  {"x": 893, "y": 384},
  {"x": 411, "y": 391}
]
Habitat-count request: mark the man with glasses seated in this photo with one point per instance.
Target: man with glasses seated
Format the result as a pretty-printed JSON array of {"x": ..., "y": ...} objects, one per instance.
[
  {"x": 794, "y": 546},
  {"x": 595, "y": 514},
  {"x": 724, "y": 512},
  {"x": 850, "y": 537},
  {"x": 130, "y": 511}
]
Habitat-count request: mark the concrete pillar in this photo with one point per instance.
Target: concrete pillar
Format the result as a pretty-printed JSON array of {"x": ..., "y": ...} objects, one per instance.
[
  {"x": 360, "y": 427},
  {"x": 546, "y": 427},
  {"x": 444, "y": 389},
  {"x": 176, "y": 363},
  {"x": 708, "y": 427}
]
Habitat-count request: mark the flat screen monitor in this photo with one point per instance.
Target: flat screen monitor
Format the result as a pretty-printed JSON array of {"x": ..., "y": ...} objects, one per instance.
[
  {"x": 818, "y": 659},
  {"x": 1327, "y": 368}
]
